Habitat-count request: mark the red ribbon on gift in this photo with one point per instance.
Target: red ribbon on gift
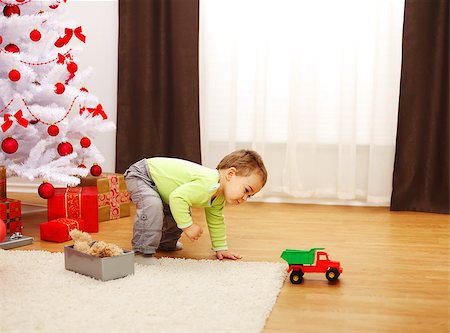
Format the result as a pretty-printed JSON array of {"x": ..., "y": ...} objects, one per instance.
[
  {"x": 124, "y": 197},
  {"x": 114, "y": 198},
  {"x": 72, "y": 199},
  {"x": 61, "y": 41},
  {"x": 8, "y": 122},
  {"x": 114, "y": 212},
  {"x": 71, "y": 224},
  {"x": 111, "y": 198}
]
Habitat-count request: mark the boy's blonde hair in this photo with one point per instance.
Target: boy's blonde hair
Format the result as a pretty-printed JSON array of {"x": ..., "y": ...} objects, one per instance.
[{"x": 246, "y": 162}]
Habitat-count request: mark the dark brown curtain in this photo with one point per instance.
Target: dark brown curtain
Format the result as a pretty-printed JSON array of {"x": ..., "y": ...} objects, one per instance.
[
  {"x": 421, "y": 170},
  {"x": 158, "y": 93}
]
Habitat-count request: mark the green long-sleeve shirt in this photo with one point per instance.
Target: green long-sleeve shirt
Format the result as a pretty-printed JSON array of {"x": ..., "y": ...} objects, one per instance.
[{"x": 183, "y": 184}]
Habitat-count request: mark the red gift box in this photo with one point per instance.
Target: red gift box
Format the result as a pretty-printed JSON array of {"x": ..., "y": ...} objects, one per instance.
[
  {"x": 75, "y": 203},
  {"x": 58, "y": 230},
  {"x": 11, "y": 214}
]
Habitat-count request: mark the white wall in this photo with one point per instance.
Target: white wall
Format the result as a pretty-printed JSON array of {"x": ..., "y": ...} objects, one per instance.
[{"x": 99, "y": 20}]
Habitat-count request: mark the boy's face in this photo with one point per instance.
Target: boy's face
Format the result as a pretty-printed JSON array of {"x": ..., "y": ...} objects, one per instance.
[{"x": 238, "y": 189}]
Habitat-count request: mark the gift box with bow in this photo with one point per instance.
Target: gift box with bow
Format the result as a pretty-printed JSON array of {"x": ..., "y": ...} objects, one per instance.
[
  {"x": 113, "y": 198},
  {"x": 58, "y": 230},
  {"x": 75, "y": 203},
  {"x": 11, "y": 214}
]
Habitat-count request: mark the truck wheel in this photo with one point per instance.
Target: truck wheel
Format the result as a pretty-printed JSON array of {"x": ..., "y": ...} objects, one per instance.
[
  {"x": 296, "y": 277},
  {"x": 332, "y": 274}
]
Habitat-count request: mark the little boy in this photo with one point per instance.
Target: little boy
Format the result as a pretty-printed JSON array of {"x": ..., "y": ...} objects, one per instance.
[{"x": 164, "y": 190}]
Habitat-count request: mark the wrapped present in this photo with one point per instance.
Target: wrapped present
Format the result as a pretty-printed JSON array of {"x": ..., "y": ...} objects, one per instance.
[
  {"x": 2, "y": 182},
  {"x": 58, "y": 230},
  {"x": 113, "y": 197},
  {"x": 75, "y": 203},
  {"x": 11, "y": 214}
]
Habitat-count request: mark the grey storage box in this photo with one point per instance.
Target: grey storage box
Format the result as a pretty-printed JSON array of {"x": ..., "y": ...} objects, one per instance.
[{"x": 104, "y": 269}]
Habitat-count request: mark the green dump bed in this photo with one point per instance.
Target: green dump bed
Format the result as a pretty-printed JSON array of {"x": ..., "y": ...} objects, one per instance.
[{"x": 300, "y": 257}]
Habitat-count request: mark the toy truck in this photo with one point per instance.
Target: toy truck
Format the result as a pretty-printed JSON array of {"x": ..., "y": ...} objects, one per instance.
[{"x": 310, "y": 261}]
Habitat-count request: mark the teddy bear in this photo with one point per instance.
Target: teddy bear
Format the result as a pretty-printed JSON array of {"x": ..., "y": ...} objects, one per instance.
[{"x": 84, "y": 243}]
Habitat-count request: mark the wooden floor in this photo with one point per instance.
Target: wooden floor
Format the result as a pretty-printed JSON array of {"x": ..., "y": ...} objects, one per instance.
[{"x": 396, "y": 264}]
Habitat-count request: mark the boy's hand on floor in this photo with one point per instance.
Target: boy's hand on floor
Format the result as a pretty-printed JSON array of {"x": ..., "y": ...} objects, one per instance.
[
  {"x": 228, "y": 255},
  {"x": 194, "y": 231}
]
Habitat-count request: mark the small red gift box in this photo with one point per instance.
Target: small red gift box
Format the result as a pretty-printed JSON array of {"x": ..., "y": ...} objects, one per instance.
[
  {"x": 11, "y": 214},
  {"x": 75, "y": 203},
  {"x": 58, "y": 230}
]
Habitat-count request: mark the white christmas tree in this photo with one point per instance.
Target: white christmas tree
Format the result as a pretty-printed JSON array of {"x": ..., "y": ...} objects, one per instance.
[{"x": 47, "y": 116}]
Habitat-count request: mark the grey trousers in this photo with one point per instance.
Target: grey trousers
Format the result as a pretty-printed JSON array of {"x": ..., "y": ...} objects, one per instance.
[{"x": 154, "y": 226}]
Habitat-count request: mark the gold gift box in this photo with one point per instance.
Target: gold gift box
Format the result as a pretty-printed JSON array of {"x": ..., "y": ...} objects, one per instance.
[{"x": 112, "y": 193}]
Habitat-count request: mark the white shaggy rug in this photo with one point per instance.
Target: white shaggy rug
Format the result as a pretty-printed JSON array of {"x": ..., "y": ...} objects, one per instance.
[{"x": 169, "y": 295}]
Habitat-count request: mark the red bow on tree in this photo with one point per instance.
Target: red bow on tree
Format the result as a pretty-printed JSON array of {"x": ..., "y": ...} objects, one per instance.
[
  {"x": 61, "y": 41},
  {"x": 62, "y": 58},
  {"x": 95, "y": 111},
  {"x": 71, "y": 76},
  {"x": 8, "y": 122}
]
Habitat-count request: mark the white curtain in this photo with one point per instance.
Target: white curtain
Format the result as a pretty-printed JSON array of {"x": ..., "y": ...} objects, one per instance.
[{"x": 313, "y": 86}]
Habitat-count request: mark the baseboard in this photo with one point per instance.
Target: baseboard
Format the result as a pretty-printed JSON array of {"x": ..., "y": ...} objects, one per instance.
[
  {"x": 19, "y": 185},
  {"x": 318, "y": 201},
  {"x": 23, "y": 185}
]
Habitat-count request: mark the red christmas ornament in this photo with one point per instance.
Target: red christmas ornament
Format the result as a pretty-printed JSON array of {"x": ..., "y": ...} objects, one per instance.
[
  {"x": 96, "y": 170},
  {"x": 10, "y": 145},
  {"x": 20, "y": 0},
  {"x": 1, "y": 39},
  {"x": 59, "y": 88},
  {"x": 9, "y": 10},
  {"x": 12, "y": 48},
  {"x": 35, "y": 35},
  {"x": 54, "y": 6},
  {"x": 72, "y": 67},
  {"x": 83, "y": 89},
  {"x": 14, "y": 75},
  {"x": 82, "y": 166},
  {"x": 85, "y": 142},
  {"x": 65, "y": 148},
  {"x": 33, "y": 121},
  {"x": 46, "y": 190},
  {"x": 53, "y": 130}
]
